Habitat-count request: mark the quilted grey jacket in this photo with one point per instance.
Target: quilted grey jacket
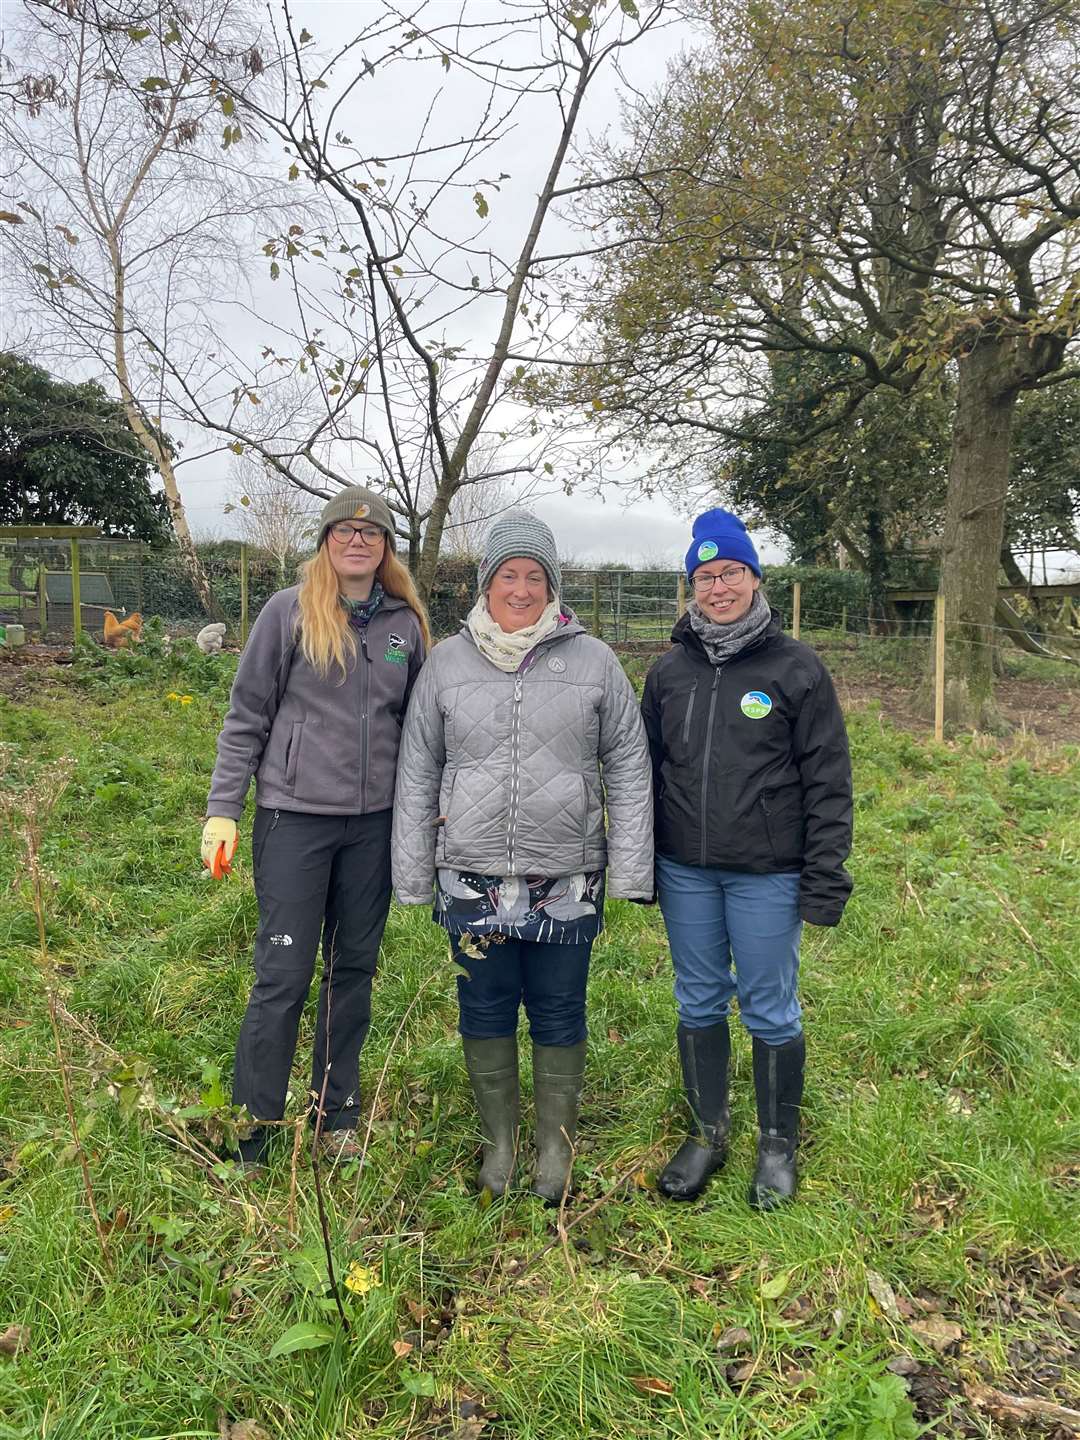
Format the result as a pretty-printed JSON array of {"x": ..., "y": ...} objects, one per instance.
[{"x": 508, "y": 774}]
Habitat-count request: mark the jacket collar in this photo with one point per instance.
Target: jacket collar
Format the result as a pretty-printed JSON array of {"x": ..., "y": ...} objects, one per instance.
[{"x": 684, "y": 634}]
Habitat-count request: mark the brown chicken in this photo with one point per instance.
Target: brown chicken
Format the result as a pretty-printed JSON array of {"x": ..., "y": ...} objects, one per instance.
[{"x": 120, "y": 633}]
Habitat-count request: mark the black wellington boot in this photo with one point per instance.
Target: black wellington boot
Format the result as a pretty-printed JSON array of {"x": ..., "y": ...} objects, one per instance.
[
  {"x": 558, "y": 1072},
  {"x": 778, "y": 1082},
  {"x": 493, "y": 1072},
  {"x": 704, "y": 1055}
]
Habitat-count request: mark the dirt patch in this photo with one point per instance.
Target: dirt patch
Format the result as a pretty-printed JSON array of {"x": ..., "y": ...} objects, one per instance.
[
  {"x": 1037, "y": 707},
  {"x": 31, "y": 671}
]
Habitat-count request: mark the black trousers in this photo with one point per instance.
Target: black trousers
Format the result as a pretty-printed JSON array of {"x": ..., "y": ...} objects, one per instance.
[{"x": 315, "y": 875}]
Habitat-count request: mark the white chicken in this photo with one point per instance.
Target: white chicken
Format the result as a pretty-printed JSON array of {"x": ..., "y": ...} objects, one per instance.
[{"x": 210, "y": 637}]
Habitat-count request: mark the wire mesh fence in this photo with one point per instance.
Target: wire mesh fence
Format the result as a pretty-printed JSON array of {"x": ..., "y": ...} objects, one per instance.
[
  {"x": 831, "y": 610},
  {"x": 39, "y": 579}
]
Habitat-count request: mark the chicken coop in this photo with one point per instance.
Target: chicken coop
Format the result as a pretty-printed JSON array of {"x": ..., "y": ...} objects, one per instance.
[{"x": 58, "y": 581}]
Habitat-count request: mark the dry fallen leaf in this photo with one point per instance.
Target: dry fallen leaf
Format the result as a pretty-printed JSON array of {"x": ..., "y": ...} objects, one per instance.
[
  {"x": 741, "y": 1373},
  {"x": 14, "y": 1339},
  {"x": 651, "y": 1385},
  {"x": 903, "y": 1365},
  {"x": 614, "y": 1036},
  {"x": 246, "y": 1430},
  {"x": 401, "y": 1348},
  {"x": 937, "y": 1332},
  {"x": 735, "y": 1337},
  {"x": 884, "y": 1294}
]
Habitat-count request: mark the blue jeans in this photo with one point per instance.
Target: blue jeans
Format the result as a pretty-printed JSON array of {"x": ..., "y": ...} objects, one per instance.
[
  {"x": 550, "y": 979},
  {"x": 719, "y": 919}
]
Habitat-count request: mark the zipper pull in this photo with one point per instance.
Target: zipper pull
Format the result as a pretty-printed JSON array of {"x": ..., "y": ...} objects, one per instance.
[
  {"x": 363, "y": 645},
  {"x": 517, "y": 687}
]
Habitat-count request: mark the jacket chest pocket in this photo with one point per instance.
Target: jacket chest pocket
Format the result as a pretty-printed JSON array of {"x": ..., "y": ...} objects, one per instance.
[{"x": 677, "y": 721}]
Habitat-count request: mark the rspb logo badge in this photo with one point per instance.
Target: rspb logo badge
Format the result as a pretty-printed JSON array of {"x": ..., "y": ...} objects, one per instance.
[
  {"x": 755, "y": 704},
  {"x": 397, "y": 650}
]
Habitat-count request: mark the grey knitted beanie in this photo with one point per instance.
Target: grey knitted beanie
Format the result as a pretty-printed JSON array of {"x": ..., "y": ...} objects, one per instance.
[
  {"x": 519, "y": 533},
  {"x": 357, "y": 503}
]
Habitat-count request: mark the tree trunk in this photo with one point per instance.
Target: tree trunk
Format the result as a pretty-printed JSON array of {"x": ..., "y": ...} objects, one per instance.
[
  {"x": 974, "y": 528},
  {"x": 148, "y": 439},
  {"x": 433, "y": 533}
]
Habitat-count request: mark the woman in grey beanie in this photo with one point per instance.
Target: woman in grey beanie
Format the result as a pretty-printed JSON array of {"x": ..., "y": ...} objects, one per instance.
[{"x": 522, "y": 732}]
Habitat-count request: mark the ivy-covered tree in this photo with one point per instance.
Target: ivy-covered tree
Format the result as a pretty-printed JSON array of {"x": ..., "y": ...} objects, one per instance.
[{"x": 68, "y": 457}]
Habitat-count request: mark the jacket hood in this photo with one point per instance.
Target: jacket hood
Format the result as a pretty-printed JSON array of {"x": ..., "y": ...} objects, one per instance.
[{"x": 683, "y": 633}]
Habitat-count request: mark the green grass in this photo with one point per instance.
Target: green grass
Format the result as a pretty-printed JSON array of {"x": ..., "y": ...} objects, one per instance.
[{"x": 943, "y": 1126}]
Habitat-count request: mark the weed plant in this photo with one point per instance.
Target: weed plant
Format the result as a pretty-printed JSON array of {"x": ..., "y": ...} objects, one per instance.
[{"x": 935, "y": 1231}]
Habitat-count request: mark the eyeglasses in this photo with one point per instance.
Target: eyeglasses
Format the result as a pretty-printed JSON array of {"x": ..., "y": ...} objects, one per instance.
[
  {"x": 733, "y": 575},
  {"x": 344, "y": 531}
]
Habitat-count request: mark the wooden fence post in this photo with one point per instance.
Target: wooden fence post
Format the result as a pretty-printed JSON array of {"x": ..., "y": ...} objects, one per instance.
[
  {"x": 596, "y": 627},
  {"x": 243, "y": 593},
  {"x": 43, "y": 601},
  {"x": 796, "y": 609},
  {"x": 939, "y": 668},
  {"x": 76, "y": 589},
  {"x": 680, "y": 597}
]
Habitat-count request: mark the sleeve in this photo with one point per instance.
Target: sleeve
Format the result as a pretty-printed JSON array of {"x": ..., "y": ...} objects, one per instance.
[
  {"x": 421, "y": 761},
  {"x": 624, "y": 756},
  {"x": 256, "y": 693},
  {"x": 417, "y": 656},
  {"x": 820, "y": 746},
  {"x": 650, "y": 714}
]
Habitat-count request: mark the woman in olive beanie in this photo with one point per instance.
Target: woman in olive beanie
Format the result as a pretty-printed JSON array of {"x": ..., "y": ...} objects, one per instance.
[{"x": 315, "y": 717}]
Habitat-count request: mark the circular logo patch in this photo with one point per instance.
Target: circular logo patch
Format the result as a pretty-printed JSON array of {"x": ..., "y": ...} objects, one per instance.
[
  {"x": 556, "y": 665},
  {"x": 755, "y": 704},
  {"x": 361, "y": 511},
  {"x": 708, "y": 550}
]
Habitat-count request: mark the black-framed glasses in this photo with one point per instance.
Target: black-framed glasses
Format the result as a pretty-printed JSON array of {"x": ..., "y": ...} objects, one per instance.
[
  {"x": 344, "y": 531},
  {"x": 733, "y": 575}
]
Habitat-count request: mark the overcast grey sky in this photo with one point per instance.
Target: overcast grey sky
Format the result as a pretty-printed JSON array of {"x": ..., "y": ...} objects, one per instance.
[{"x": 588, "y": 527}]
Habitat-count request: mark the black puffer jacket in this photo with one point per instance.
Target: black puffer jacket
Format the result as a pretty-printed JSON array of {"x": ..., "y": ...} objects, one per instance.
[{"x": 751, "y": 769}]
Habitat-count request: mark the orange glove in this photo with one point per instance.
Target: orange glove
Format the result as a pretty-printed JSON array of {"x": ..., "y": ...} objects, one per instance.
[{"x": 219, "y": 840}]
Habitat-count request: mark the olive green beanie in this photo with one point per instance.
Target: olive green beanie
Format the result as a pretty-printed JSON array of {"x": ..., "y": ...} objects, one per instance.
[{"x": 356, "y": 503}]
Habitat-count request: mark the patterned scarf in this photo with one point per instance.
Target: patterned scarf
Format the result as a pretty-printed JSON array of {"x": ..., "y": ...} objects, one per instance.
[
  {"x": 361, "y": 611},
  {"x": 721, "y": 642},
  {"x": 507, "y": 649}
]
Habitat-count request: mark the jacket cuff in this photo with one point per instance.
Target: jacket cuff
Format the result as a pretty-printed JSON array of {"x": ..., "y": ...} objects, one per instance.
[
  {"x": 820, "y": 914},
  {"x": 224, "y": 809},
  {"x": 428, "y": 899},
  {"x": 644, "y": 894}
]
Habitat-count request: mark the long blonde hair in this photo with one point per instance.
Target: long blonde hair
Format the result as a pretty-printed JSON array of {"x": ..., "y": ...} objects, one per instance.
[{"x": 326, "y": 637}]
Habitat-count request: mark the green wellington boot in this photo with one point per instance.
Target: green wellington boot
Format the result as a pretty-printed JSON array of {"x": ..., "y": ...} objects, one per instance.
[
  {"x": 778, "y": 1082},
  {"x": 493, "y": 1072},
  {"x": 704, "y": 1055},
  {"x": 558, "y": 1071}
]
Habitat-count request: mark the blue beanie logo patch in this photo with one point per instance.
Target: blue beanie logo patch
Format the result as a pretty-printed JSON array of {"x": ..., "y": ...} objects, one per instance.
[
  {"x": 707, "y": 550},
  {"x": 755, "y": 704}
]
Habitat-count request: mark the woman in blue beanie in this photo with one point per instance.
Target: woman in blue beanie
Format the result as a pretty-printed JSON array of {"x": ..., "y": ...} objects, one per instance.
[{"x": 752, "y": 786}]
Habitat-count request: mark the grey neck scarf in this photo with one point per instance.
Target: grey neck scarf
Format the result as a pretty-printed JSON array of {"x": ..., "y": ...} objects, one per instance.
[{"x": 721, "y": 642}]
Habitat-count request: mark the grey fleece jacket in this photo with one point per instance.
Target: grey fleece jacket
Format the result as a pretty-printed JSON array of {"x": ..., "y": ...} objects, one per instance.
[
  {"x": 508, "y": 774},
  {"x": 325, "y": 746}
]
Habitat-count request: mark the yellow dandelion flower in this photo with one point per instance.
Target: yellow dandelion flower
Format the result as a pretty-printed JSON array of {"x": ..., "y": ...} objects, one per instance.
[
  {"x": 172, "y": 695},
  {"x": 186, "y": 699},
  {"x": 361, "y": 1278}
]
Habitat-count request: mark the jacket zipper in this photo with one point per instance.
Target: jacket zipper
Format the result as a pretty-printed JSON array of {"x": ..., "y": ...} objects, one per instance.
[
  {"x": 365, "y": 687},
  {"x": 515, "y": 756},
  {"x": 705, "y": 768},
  {"x": 689, "y": 713}
]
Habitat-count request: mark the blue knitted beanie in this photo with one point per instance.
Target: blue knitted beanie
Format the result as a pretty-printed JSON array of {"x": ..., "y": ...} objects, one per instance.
[{"x": 720, "y": 535}]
